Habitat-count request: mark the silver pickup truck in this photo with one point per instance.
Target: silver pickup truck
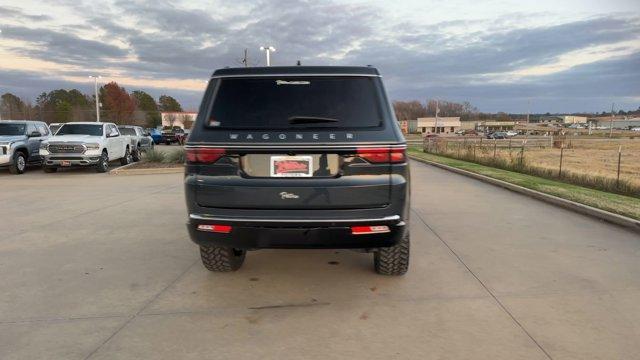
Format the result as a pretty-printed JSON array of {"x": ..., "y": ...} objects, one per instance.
[
  {"x": 20, "y": 143},
  {"x": 139, "y": 140}
]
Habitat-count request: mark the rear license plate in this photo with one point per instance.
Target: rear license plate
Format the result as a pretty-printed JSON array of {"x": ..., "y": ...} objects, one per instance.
[
  {"x": 65, "y": 163},
  {"x": 291, "y": 166}
]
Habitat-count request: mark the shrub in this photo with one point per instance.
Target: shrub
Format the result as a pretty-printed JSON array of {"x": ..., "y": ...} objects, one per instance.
[
  {"x": 176, "y": 157},
  {"x": 154, "y": 156}
]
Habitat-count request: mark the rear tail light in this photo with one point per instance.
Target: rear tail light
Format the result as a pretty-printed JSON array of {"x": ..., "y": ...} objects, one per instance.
[
  {"x": 383, "y": 155},
  {"x": 204, "y": 155},
  {"x": 222, "y": 229},
  {"x": 363, "y": 230}
]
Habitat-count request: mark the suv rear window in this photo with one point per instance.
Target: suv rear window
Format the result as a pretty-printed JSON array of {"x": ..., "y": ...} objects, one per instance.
[{"x": 297, "y": 103}]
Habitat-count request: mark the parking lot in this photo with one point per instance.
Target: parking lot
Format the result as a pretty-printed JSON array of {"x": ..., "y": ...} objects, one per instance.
[{"x": 97, "y": 266}]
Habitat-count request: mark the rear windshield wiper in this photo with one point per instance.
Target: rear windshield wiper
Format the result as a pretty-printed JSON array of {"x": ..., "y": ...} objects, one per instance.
[{"x": 311, "y": 120}]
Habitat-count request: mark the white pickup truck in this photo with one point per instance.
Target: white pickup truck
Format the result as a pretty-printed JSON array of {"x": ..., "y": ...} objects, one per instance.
[{"x": 85, "y": 144}]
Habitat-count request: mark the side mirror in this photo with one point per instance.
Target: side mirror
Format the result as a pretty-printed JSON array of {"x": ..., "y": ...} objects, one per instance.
[
  {"x": 113, "y": 134},
  {"x": 35, "y": 134}
]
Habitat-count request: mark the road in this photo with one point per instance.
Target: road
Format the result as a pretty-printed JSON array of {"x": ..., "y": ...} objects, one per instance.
[{"x": 96, "y": 266}]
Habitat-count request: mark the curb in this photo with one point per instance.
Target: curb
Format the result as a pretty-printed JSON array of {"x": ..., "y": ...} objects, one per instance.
[
  {"x": 567, "y": 204},
  {"x": 153, "y": 171}
]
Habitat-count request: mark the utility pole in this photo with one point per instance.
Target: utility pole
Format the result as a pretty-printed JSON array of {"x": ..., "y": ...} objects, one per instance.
[
  {"x": 611, "y": 122},
  {"x": 437, "y": 112},
  {"x": 268, "y": 50},
  {"x": 95, "y": 85},
  {"x": 528, "y": 110},
  {"x": 245, "y": 61}
]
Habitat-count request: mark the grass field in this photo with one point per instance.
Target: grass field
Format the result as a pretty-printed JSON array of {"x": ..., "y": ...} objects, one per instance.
[
  {"x": 615, "y": 203},
  {"x": 586, "y": 162}
]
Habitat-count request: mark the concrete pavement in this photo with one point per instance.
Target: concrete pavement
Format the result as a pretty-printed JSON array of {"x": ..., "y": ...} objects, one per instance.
[{"x": 94, "y": 266}]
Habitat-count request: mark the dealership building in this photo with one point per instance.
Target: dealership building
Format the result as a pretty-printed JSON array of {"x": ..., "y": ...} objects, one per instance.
[{"x": 440, "y": 125}]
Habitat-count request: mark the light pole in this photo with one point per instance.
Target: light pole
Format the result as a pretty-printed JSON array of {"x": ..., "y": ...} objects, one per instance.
[
  {"x": 95, "y": 85},
  {"x": 268, "y": 50}
]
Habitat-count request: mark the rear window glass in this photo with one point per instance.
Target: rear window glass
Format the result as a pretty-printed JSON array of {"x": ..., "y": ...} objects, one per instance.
[
  {"x": 127, "y": 131},
  {"x": 297, "y": 103}
]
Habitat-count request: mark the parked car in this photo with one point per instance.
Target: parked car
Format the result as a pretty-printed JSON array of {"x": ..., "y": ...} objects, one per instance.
[
  {"x": 173, "y": 135},
  {"x": 156, "y": 135},
  {"x": 511, "y": 133},
  {"x": 635, "y": 129},
  {"x": 20, "y": 144},
  {"x": 85, "y": 144},
  {"x": 139, "y": 140},
  {"x": 277, "y": 163},
  {"x": 497, "y": 135}
]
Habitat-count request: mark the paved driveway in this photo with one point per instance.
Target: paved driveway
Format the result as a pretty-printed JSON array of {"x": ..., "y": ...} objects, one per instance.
[{"x": 99, "y": 266}]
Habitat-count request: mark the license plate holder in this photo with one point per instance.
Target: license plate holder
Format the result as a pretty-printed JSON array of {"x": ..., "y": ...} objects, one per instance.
[{"x": 291, "y": 166}]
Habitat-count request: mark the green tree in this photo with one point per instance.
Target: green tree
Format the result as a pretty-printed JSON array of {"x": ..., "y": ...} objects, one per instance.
[
  {"x": 64, "y": 105},
  {"x": 167, "y": 103},
  {"x": 63, "y": 111},
  {"x": 147, "y": 104}
]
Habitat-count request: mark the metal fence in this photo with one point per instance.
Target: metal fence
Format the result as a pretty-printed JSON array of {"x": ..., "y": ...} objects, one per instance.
[{"x": 607, "y": 164}]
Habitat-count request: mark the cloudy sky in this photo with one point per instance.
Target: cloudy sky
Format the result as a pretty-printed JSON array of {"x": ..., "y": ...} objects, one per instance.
[{"x": 501, "y": 55}]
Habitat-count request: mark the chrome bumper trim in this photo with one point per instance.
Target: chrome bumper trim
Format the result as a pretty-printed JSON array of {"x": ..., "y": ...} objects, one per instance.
[{"x": 258, "y": 220}]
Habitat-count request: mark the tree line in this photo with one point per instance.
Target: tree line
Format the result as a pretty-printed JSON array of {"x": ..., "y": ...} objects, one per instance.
[
  {"x": 411, "y": 110},
  {"x": 117, "y": 105}
]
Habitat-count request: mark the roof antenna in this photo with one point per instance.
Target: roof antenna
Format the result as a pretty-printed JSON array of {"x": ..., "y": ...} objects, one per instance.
[{"x": 298, "y": 63}]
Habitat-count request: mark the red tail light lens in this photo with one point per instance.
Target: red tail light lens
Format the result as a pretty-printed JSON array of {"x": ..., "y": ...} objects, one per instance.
[
  {"x": 383, "y": 155},
  {"x": 363, "y": 230},
  {"x": 222, "y": 229},
  {"x": 204, "y": 155}
]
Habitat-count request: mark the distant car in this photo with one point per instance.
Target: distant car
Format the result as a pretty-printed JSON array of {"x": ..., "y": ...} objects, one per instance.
[
  {"x": 173, "y": 135},
  {"x": 156, "y": 135},
  {"x": 497, "y": 135},
  {"x": 139, "y": 140},
  {"x": 511, "y": 133},
  {"x": 20, "y": 143},
  {"x": 636, "y": 129}
]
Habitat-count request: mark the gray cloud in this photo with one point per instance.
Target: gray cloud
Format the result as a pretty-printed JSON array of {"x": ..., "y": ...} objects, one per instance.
[
  {"x": 61, "y": 47},
  {"x": 8, "y": 12},
  {"x": 418, "y": 61}
]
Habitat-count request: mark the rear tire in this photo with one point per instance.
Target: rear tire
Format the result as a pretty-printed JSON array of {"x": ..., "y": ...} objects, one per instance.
[
  {"x": 393, "y": 260},
  {"x": 221, "y": 259},
  {"x": 50, "y": 170},
  {"x": 19, "y": 163},
  {"x": 136, "y": 155}
]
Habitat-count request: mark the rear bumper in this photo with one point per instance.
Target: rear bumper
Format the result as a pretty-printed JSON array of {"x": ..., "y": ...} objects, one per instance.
[{"x": 252, "y": 233}]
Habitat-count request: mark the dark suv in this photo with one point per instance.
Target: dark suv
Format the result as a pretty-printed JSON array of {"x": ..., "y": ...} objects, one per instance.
[{"x": 297, "y": 157}]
